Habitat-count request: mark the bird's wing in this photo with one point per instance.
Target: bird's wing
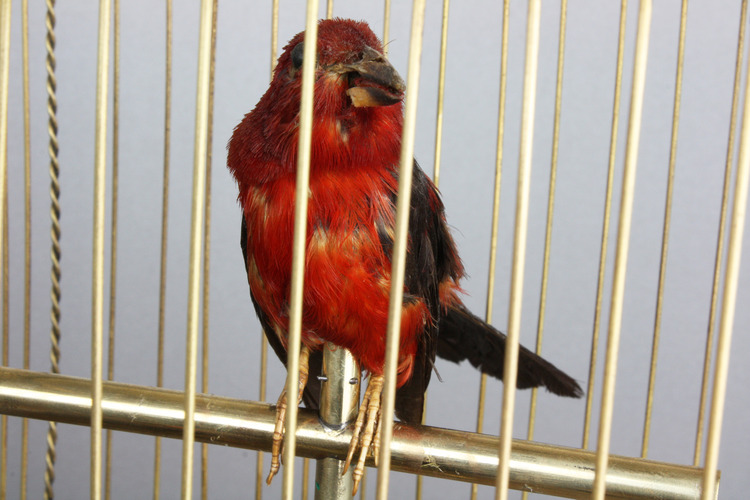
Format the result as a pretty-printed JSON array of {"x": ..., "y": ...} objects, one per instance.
[{"x": 431, "y": 259}]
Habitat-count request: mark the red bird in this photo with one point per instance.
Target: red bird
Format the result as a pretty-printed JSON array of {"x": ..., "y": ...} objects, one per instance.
[{"x": 356, "y": 143}]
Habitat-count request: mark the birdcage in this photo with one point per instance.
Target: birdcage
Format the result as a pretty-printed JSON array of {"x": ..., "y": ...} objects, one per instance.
[{"x": 594, "y": 165}]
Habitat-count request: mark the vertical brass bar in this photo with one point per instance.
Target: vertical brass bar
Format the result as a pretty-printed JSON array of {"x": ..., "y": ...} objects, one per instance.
[
  {"x": 339, "y": 400},
  {"x": 5, "y": 11},
  {"x": 729, "y": 295},
  {"x": 6, "y": 337},
  {"x": 97, "y": 281},
  {"x": 262, "y": 397},
  {"x": 306, "y": 461},
  {"x": 207, "y": 244},
  {"x": 510, "y": 371},
  {"x": 164, "y": 226},
  {"x": 305, "y": 478},
  {"x": 386, "y": 25},
  {"x": 54, "y": 192},
  {"x": 550, "y": 209},
  {"x": 665, "y": 235},
  {"x": 27, "y": 237},
  {"x": 263, "y": 340},
  {"x": 438, "y": 147},
  {"x": 623, "y": 239},
  {"x": 480, "y": 419},
  {"x": 330, "y": 482},
  {"x": 605, "y": 227},
  {"x": 5, "y": 326},
  {"x": 298, "y": 248},
  {"x": 274, "y": 33},
  {"x": 399, "y": 247},
  {"x": 441, "y": 94},
  {"x": 495, "y": 211},
  {"x": 205, "y": 330},
  {"x": 720, "y": 237},
  {"x": 113, "y": 242},
  {"x": 196, "y": 233},
  {"x": 419, "y": 487}
]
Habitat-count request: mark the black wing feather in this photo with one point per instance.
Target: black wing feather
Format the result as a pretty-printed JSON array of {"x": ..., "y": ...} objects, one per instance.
[
  {"x": 431, "y": 258},
  {"x": 463, "y": 336}
]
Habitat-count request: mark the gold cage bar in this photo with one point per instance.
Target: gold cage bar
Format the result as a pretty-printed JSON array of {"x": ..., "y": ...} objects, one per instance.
[
  {"x": 429, "y": 451},
  {"x": 450, "y": 454}
]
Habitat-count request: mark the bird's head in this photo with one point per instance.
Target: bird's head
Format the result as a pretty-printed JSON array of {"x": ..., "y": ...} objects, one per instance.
[
  {"x": 350, "y": 59},
  {"x": 357, "y": 113}
]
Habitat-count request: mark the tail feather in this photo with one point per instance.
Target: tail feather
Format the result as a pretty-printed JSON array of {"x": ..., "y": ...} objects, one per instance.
[{"x": 463, "y": 336}]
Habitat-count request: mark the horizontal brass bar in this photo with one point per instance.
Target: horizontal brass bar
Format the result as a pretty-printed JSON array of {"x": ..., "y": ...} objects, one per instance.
[{"x": 429, "y": 451}]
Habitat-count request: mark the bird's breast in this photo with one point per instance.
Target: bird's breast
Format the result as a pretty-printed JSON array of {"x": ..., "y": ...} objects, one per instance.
[{"x": 344, "y": 210}]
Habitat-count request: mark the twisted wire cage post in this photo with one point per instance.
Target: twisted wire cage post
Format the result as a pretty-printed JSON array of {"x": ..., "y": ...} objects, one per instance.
[{"x": 497, "y": 100}]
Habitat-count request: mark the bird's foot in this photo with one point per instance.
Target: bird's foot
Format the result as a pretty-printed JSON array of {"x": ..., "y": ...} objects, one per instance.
[
  {"x": 369, "y": 438},
  {"x": 281, "y": 405}
]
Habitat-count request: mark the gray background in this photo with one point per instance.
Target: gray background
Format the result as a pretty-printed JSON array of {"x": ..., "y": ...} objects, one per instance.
[{"x": 471, "y": 103}]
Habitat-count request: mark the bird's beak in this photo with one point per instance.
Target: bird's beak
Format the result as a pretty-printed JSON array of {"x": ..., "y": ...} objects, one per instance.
[{"x": 373, "y": 81}]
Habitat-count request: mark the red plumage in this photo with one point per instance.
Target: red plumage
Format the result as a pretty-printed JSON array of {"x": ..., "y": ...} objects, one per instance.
[
  {"x": 356, "y": 142},
  {"x": 354, "y": 153}
]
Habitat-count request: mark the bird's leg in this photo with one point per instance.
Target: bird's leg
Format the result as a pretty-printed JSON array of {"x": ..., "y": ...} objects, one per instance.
[
  {"x": 279, "y": 429},
  {"x": 369, "y": 417}
]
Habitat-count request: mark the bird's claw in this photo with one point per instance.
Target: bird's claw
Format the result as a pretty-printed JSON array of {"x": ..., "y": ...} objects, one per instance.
[
  {"x": 278, "y": 436},
  {"x": 281, "y": 406},
  {"x": 369, "y": 418}
]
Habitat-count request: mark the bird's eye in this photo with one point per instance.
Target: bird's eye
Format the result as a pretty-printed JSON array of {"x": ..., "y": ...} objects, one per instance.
[{"x": 297, "y": 53}]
